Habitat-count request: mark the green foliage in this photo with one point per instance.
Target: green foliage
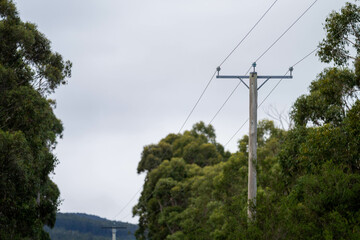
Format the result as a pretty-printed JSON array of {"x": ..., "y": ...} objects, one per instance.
[
  {"x": 184, "y": 199},
  {"x": 308, "y": 188},
  {"x": 343, "y": 31},
  {"x": 29, "y": 70},
  {"x": 196, "y": 146},
  {"x": 153, "y": 155},
  {"x": 326, "y": 204},
  {"x": 308, "y": 176},
  {"x": 171, "y": 166},
  {"x": 331, "y": 96}
]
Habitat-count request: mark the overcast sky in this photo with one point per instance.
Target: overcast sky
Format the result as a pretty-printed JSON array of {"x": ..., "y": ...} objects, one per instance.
[{"x": 139, "y": 66}]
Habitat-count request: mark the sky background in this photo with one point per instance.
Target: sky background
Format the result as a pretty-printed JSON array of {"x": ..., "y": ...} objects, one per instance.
[{"x": 139, "y": 66}]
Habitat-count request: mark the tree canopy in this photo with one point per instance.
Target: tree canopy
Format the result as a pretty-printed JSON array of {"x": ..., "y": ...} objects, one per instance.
[
  {"x": 308, "y": 176},
  {"x": 29, "y": 72}
]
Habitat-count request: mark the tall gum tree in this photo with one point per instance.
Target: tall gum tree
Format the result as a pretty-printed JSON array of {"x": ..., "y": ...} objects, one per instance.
[
  {"x": 168, "y": 165},
  {"x": 29, "y": 72}
]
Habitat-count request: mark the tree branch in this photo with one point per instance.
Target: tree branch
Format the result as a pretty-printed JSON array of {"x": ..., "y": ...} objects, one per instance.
[
  {"x": 347, "y": 39},
  {"x": 356, "y": 33}
]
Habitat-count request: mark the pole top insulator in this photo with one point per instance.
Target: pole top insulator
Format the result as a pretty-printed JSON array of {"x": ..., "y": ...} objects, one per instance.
[
  {"x": 218, "y": 70},
  {"x": 254, "y": 66},
  {"x": 291, "y": 69}
]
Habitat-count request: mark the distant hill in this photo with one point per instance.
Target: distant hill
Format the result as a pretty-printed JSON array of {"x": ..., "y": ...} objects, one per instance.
[{"x": 80, "y": 226}]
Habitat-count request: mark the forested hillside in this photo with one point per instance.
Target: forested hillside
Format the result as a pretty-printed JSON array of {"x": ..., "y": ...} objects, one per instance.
[
  {"x": 308, "y": 176},
  {"x": 78, "y": 226}
]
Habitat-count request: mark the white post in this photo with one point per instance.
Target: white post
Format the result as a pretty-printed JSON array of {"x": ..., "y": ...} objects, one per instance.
[
  {"x": 252, "y": 187},
  {"x": 114, "y": 234}
]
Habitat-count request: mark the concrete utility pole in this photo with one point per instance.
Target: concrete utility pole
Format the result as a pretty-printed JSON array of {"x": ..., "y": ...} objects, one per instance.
[
  {"x": 114, "y": 230},
  {"x": 253, "y": 97}
]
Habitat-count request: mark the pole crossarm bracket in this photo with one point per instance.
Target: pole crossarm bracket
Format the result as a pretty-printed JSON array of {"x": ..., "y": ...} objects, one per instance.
[
  {"x": 244, "y": 83},
  {"x": 275, "y": 77},
  {"x": 263, "y": 83},
  {"x": 263, "y": 77},
  {"x": 259, "y": 77},
  {"x": 231, "y": 76}
]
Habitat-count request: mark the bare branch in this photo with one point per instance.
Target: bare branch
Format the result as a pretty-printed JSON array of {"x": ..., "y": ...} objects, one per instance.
[
  {"x": 279, "y": 116},
  {"x": 356, "y": 32},
  {"x": 347, "y": 39}
]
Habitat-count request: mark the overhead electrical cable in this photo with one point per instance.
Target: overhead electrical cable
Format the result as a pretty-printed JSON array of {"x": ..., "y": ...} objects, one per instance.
[
  {"x": 271, "y": 91},
  {"x": 282, "y": 35},
  {"x": 207, "y": 85},
  {"x": 197, "y": 102},
  {"x": 127, "y": 204},
  {"x": 263, "y": 54},
  {"x": 309, "y": 54},
  {"x": 226, "y": 58},
  {"x": 233, "y": 136},
  {"x": 306, "y": 56},
  {"x": 237, "y": 131},
  {"x": 222, "y": 106},
  {"x": 242, "y": 40}
]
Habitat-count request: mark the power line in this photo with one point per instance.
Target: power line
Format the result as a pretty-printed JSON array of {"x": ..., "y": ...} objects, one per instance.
[
  {"x": 286, "y": 31},
  {"x": 309, "y": 54},
  {"x": 233, "y": 136},
  {"x": 126, "y": 216},
  {"x": 197, "y": 102},
  {"x": 212, "y": 77},
  {"x": 133, "y": 197},
  {"x": 207, "y": 85},
  {"x": 263, "y": 54},
  {"x": 237, "y": 131},
  {"x": 242, "y": 40},
  {"x": 217, "y": 113},
  {"x": 226, "y": 58},
  {"x": 306, "y": 56},
  {"x": 283, "y": 34},
  {"x": 271, "y": 91}
]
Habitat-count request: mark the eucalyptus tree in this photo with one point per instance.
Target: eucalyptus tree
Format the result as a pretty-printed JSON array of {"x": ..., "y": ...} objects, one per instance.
[{"x": 29, "y": 72}]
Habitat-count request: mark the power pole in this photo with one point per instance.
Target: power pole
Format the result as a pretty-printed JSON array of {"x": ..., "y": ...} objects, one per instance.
[
  {"x": 252, "y": 187},
  {"x": 253, "y": 97},
  {"x": 114, "y": 230}
]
